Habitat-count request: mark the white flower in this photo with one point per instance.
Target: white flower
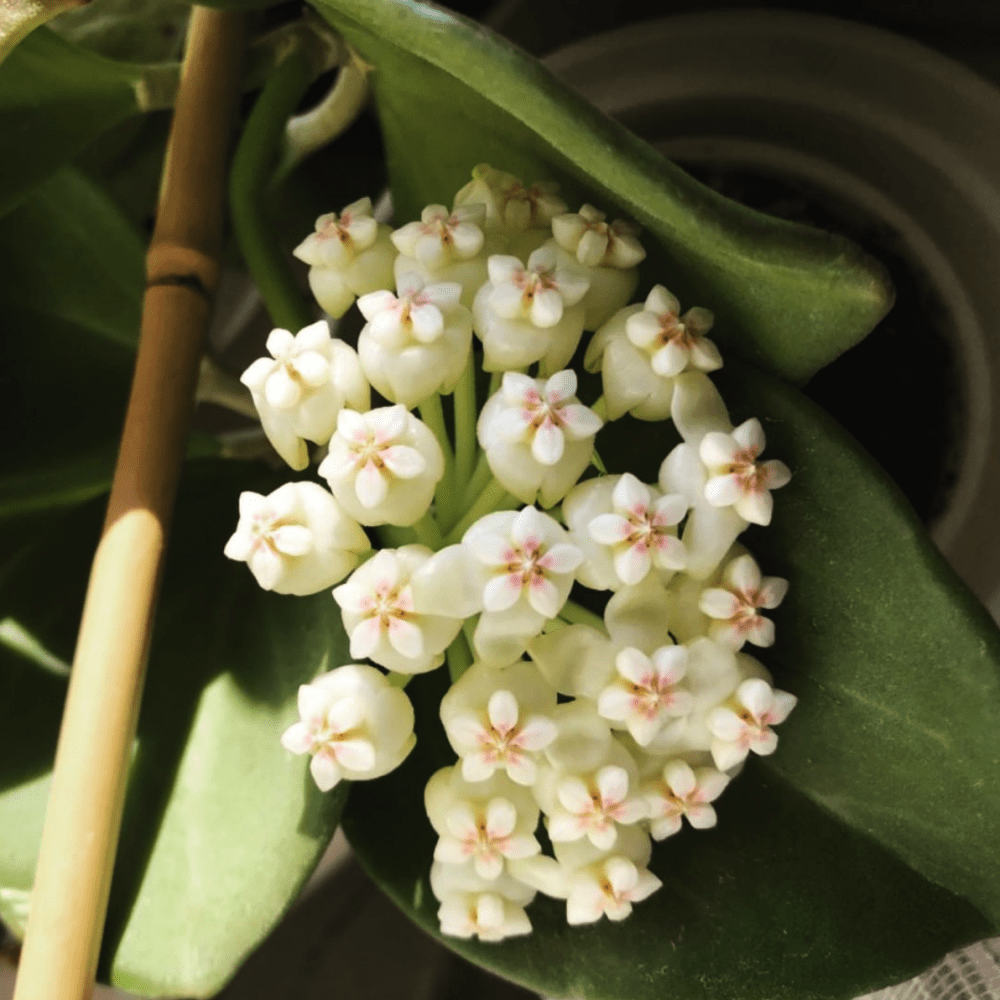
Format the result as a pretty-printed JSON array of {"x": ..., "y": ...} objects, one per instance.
[
  {"x": 296, "y": 540},
  {"x": 537, "y": 435},
  {"x": 510, "y": 206},
  {"x": 528, "y": 314},
  {"x": 515, "y": 567},
  {"x": 580, "y": 661},
  {"x": 485, "y": 824},
  {"x": 697, "y": 410},
  {"x": 499, "y": 719},
  {"x": 354, "y": 723},
  {"x": 382, "y": 619},
  {"x": 383, "y": 465},
  {"x": 625, "y": 529},
  {"x": 444, "y": 247},
  {"x": 745, "y": 723},
  {"x": 301, "y": 388},
  {"x": 644, "y": 698},
  {"x": 713, "y": 674},
  {"x": 673, "y": 342},
  {"x": 608, "y": 888},
  {"x": 683, "y": 791},
  {"x": 579, "y": 874},
  {"x": 610, "y": 253},
  {"x": 736, "y": 478},
  {"x": 596, "y": 243},
  {"x": 735, "y": 604},
  {"x": 591, "y": 808},
  {"x": 349, "y": 254},
  {"x": 482, "y": 914},
  {"x": 527, "y": 565},
  {"x": 415, "y": 344}
]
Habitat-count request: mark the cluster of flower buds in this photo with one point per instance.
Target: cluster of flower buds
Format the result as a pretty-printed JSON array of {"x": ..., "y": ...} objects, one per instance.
[{"x": 609, "y": 729}]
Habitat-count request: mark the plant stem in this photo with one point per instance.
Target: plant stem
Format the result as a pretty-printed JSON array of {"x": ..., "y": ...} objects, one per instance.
[
  {"x": 577, "y": 614},
  {"x": 477, "y": 482},
  {"x": 216, "y": 385},
  {"x": 253, "y": 163},
  {"x": 469, "y": 630},
  {"x": 315, "y": 128},
  {"x": 393, "y": 537},
  {"x": 432, "y": 414},
  {"x": 464, "y": 403},
  {"x": 428, "y": 533},
  {"x": 493, "y": 498},
  {"x": 459, "y": 657},
  {"x": 83, "y": 818}
]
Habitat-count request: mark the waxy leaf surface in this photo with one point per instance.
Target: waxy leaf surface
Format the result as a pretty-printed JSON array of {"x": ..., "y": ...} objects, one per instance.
[
  {"x": 222, "y": 826},
  {"x": 450, "y": 95},
  {"x": 865, "y": 848}
]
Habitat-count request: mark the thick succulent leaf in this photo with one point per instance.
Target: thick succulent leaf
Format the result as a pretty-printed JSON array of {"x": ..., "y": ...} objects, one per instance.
[
  {"x": 895, "y": 662},
  {"x": 222, "y": 826},
  {"x": 71, "y": 281},
  {"x": 780, "y": 902},
  {"x": 450, "y": 95},
  {"x": 55, "y": 98},
  {"x": 866, "y": 846}
]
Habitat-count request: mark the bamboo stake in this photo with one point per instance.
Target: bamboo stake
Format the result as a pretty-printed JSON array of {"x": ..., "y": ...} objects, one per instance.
[{"x": 80, "y": 836}]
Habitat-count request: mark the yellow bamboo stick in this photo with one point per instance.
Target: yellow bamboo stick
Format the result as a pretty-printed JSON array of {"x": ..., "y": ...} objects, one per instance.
[{"x": 80, "y": 836}]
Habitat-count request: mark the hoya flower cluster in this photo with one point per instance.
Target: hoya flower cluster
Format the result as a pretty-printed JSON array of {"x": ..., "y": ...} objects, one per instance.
[{"x": 609, "y": 730}]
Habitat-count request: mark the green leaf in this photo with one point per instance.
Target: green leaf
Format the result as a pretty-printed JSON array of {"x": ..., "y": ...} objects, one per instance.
[
  {"x": 865, "y": 848},
  {"x": 896, "y": 663},
  {"x": 54, "y": 100},
  {"x": 71, "y": 282},
  {"x": 221, "y": 826},
  {"x": 451, "y": 95},
  {"x": 779, "y": 902}
]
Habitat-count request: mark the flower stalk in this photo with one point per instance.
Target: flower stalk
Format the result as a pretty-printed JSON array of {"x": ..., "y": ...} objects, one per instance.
[{"x": 253, "y": 164}]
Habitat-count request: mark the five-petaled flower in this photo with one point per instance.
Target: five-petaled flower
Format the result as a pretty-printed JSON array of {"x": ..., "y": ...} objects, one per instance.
[
  {"x": 383, "y": 465},
  {"x": 301, "y": 388},
  {"x": 529, "y": 313},
  {"x": 644, "y": 698},
  {"x": 484, "y": 832},
  {"x": 524, "y": 566},
  {"x": 502, "y": 740},
  {"x": 382, "y": 619},
  {"x": 736, "y": 478},
  {"x": 353, "y": 723},
  {"x": 537, "y": 436},
  {"x": 608, "y": 888},
  {"x": 673, "y": 342},
  {"x": 638, "y": 530},
  {"x": 735, "y": 605},
  {"x": 683, "y": 791},
  {"x": 444, "y": 246},
  {"x": 591, "y": 808},
  {"x": 296, "y": 540},
  {"x": 415, "y": 343},
  {"x": 349, "y": 255},
  {"x": 744, "y": 724}
]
